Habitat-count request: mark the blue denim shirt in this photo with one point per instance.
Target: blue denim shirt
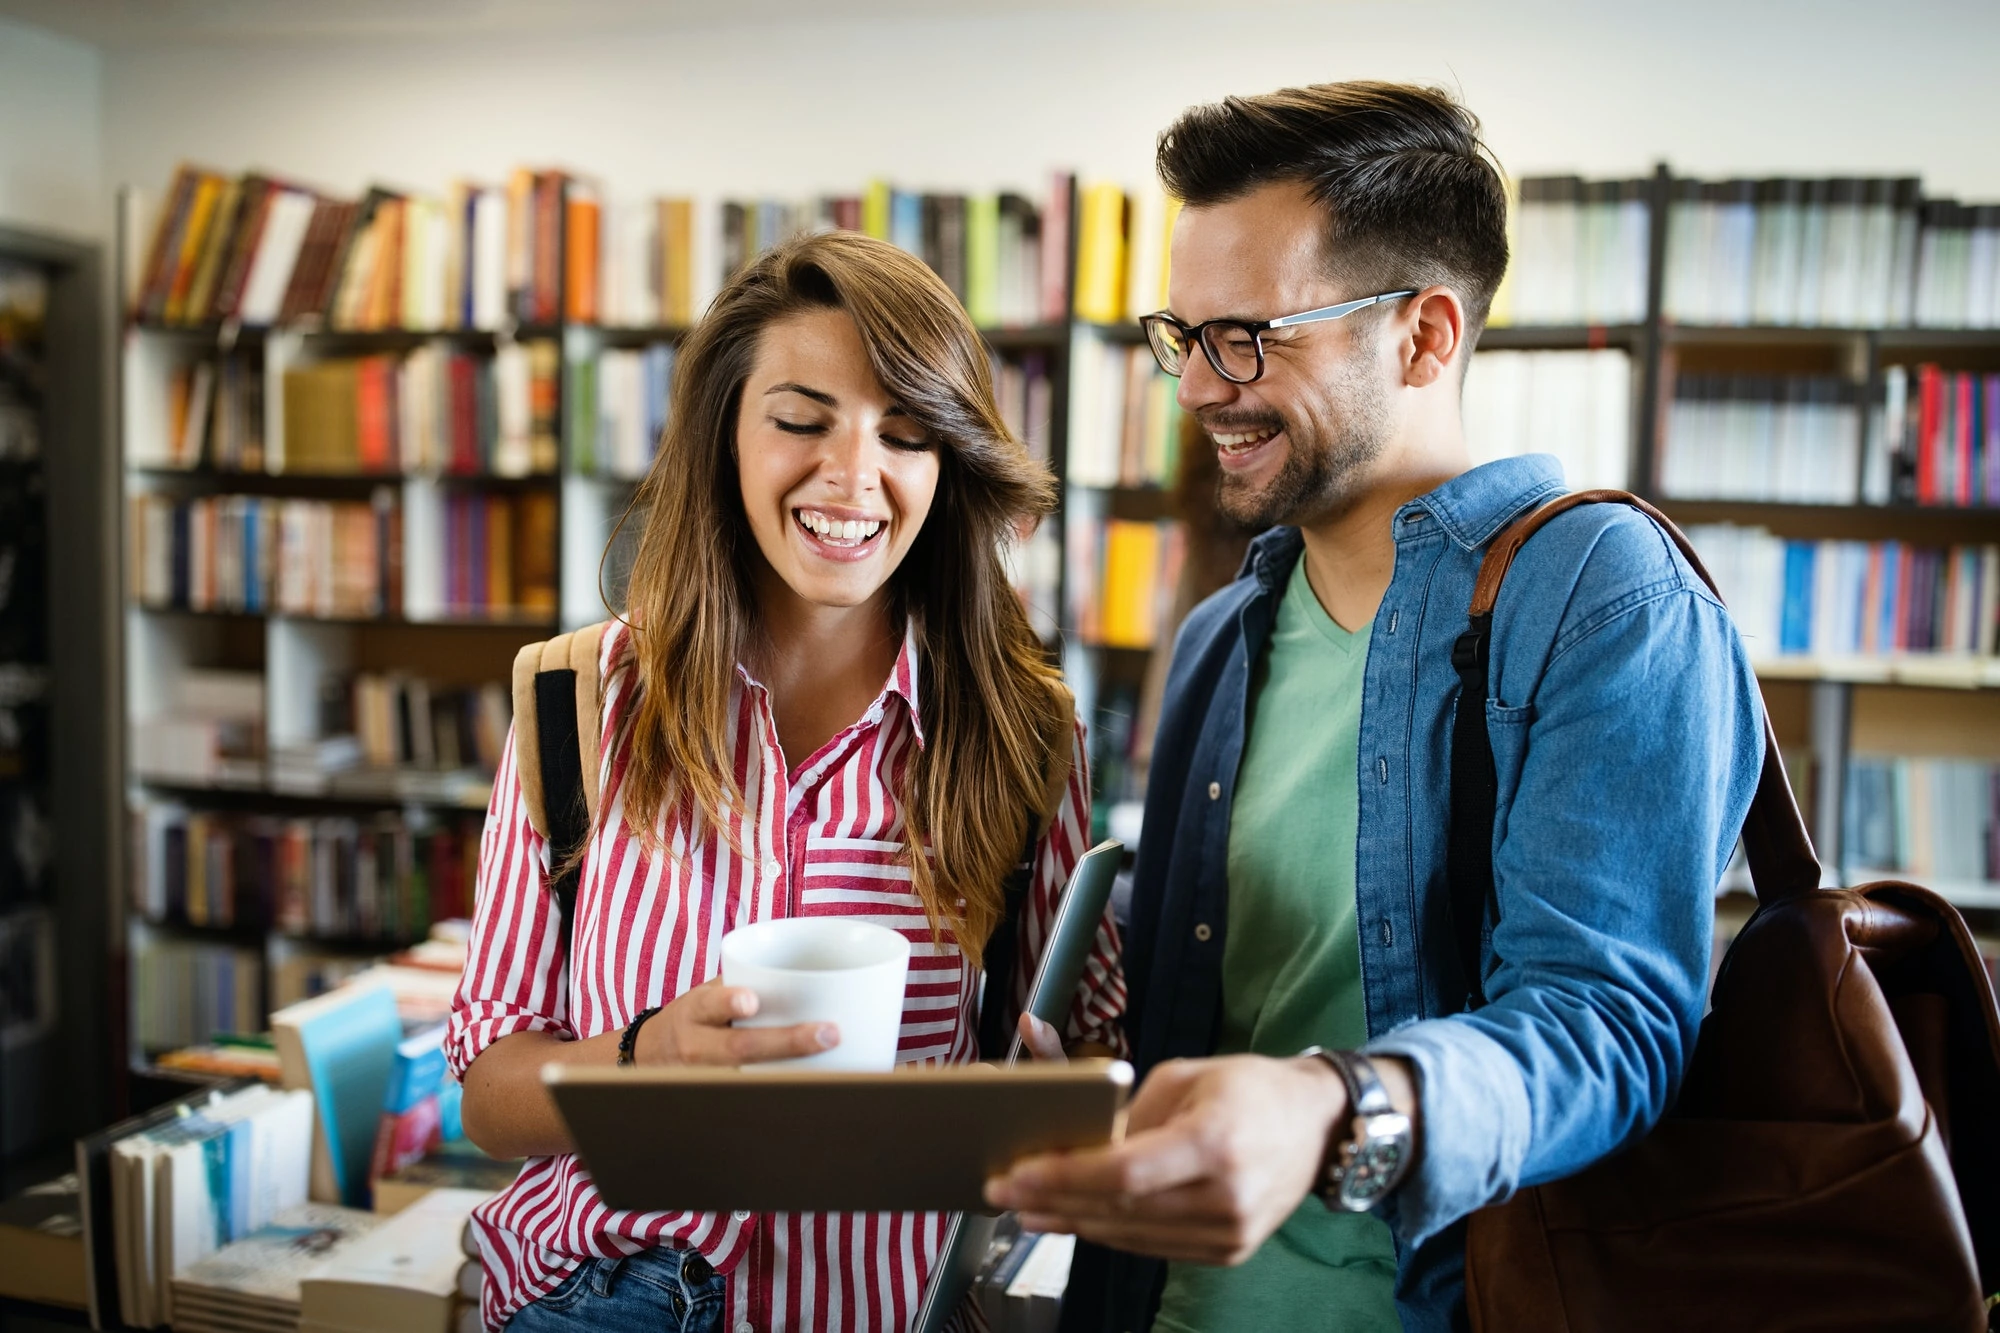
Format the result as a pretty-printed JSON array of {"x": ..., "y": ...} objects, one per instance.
[{"x": 1627, "y": 739}]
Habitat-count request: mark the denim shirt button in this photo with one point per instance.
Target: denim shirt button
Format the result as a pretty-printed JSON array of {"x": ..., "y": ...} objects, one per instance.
[
  {"x": 1215, "y": 791},
  {"x": 1382, "y": 767},
  {"x": 1202, "y": 932}
]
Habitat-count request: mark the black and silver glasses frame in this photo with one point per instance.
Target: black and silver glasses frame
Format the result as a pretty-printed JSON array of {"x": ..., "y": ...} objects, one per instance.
[{"x": 1170, "y": 339}]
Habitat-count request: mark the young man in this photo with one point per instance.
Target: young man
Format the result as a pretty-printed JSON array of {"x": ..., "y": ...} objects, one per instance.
[{"x": 1291, "y": 888}]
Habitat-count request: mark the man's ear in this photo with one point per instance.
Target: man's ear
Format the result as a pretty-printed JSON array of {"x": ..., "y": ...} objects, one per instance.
[{"x": 1434, "y": 341}]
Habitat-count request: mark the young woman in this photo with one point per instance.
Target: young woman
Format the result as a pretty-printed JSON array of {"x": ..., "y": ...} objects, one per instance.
[{"x": 826, "y": 701}]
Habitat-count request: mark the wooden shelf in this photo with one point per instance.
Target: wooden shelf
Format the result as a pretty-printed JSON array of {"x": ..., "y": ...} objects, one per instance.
[
  {"x": 1949, "y": 671},
  {"x": 312, "y": 485},
  {"x": 1560, "y": 337},
  {"x": 529, "y": 622},
  {"x": 261, "y": 794}
]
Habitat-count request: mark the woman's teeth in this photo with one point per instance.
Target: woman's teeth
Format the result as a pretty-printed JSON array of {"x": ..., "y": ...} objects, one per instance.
[
  {"x": 1238, "y": 441},
  {"x": 837, "y": 531}
]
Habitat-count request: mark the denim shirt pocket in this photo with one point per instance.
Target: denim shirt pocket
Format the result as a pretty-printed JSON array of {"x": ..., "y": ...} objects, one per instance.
[{"x": 1508, "y": 729}]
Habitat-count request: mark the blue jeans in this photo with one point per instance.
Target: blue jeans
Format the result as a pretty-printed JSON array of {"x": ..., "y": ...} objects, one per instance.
[{"x": 661, "y": 1290}]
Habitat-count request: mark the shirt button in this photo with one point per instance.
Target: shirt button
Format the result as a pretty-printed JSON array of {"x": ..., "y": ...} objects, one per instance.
[
  {"x": 744, "y": 1326},
  {"x": 772, "y": 868},
  {"x": 1202, "y": 932},
  {"x": 741, "y": 1214},
  {"x": 1215, "y": 791}
]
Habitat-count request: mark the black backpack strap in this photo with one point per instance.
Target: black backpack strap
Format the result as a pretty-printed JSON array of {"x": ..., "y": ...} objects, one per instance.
[
  {"x": 1474, "y": 793},
  {"x": 996, "y": 1003},
  {"x": 562, "y": 787}
]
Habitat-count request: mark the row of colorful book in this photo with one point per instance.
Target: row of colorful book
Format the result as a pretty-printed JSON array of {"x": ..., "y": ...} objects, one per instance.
[
  {"x": 1793, "y": 439},
  {"x": 1844, "y": 252},
  {"x": 260, "y": 250},
  {"x": 617, "y": 406},
  {"x": 1574, "y": 405},
  {"x": 1580, "y": 252},
  {"x": 1123, "y": 575},
  {"x": 439, "y": 409},
  {"x": 385, "y": 877},
  {"x": 1843, "y": 598},
  {"x": 256, "y": 554},
  {"x": 1126, "y": 423},
  {"x": 403, "y": 720},
  {"x": 426, "y": 554},
  {"x": 184, "y": 990},
  {"x": 1943, "y": 430},
  {"x": 1935, "y": 820},
  {"x": 215, "y": 417},
  {"x": 552, "y": 245}
]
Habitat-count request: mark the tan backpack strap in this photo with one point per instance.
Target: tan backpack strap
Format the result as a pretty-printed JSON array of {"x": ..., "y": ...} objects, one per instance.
[
  {"x": 527, "y": 742},
  {"x": 575, "y": 651}
]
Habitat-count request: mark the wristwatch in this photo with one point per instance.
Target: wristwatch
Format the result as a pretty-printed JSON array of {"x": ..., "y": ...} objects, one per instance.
[{"x": 1363, "y": 1165}]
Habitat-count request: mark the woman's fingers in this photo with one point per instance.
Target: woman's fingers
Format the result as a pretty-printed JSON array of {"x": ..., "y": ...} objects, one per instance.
[{"x": 1042, "y": 1040}]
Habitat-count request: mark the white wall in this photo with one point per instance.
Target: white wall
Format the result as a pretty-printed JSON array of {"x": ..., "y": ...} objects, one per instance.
[
  {"x": 1582, "y": 85},
  {"x": 51, "y": 140}
]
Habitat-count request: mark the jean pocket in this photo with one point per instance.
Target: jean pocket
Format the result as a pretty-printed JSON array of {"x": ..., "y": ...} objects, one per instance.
[{"x": 572, "y": 1288}]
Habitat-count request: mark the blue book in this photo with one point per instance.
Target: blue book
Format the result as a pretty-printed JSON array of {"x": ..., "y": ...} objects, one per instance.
[
  {"x": 342, "y": 1046},
  {"x": 1795, "y": 621},
  {"x": 906, "y": 221}
]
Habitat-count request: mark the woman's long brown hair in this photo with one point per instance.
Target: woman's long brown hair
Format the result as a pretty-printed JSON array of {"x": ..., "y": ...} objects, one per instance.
[{"x": 989, "y": 699}]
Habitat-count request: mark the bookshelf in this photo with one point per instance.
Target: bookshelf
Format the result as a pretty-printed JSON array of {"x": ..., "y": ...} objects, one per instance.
[{"x": 1595, "y": 343}]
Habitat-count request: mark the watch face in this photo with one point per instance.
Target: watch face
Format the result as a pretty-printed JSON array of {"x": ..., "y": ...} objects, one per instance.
[{"x": 1374, "y": 1162}]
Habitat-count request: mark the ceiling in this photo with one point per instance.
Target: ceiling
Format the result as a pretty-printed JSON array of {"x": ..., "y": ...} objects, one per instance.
[{"x": 139, "y": 23}]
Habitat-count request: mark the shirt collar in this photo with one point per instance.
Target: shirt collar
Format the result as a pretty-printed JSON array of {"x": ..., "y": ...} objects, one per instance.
[
  {"x": 1471, "y": 509},
  {"x": 902, "y": 682}
]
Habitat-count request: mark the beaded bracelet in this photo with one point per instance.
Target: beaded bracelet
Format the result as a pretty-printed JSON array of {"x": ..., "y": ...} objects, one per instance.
[{"x": 628, "y": 1042}]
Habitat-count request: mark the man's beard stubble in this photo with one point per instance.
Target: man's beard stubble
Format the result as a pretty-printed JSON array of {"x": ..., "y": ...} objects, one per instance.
[{"x": 1320, "y": 475}]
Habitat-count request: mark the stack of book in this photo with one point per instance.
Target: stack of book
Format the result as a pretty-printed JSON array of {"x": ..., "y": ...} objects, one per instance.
[
  {"x": 1022, "y": 387},
  {"x": 41, "y": 1245},
  {"x": 211, "y": 732},
  {"x": 1580, "y": 253},
  {"x": 1833, "y": 253},
  {"x": 1934, "y": 820},
  {"x": 326, "y": 558},
  {"x": 1841, "y": 598},
  {"x": 1793, "y": 439},
  {"x": 183, "y": 1189},
  {"x": 1125, "y": 422},
  {"x": 438, "y": 409},
  {"x": 413, "y": 1273},
  {"x": 1124, "y": 574},
  {"x": 1942, "y": 434},
  {"x": 384, "y": 877},
  {"x": 254, "y": 1285},
  {"x": 1575, "y": 405}
]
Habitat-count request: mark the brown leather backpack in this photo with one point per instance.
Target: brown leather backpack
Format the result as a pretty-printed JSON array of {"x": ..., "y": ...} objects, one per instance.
[{"x": 1833, "y": 1160}]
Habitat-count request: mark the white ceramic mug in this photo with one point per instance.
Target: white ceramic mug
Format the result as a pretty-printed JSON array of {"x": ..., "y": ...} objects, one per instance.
[{"x": 823, "y": 969}]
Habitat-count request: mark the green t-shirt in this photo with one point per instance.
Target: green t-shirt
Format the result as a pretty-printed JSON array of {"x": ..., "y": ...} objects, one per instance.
[{"x": 1291, "y": 968}]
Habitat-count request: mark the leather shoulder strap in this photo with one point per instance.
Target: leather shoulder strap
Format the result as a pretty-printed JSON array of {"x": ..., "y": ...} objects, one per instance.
[{"x": 1782, "y": 861}]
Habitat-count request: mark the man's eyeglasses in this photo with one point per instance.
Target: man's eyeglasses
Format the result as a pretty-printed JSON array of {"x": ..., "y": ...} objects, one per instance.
[{"x": 1235, "y": 347}]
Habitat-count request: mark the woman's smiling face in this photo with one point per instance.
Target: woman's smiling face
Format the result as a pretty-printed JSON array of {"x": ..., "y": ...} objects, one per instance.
[{"x": 836, "y": 477}]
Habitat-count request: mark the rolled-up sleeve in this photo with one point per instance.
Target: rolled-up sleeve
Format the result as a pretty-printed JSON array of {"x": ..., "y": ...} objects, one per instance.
[
  {"x": 1097, "y": 1012},
  {"x": 1630, "y": 774},
  {"x": 516, "y": 971}
]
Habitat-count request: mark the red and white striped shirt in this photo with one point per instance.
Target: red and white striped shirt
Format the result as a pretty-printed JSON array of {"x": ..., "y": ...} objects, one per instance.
[{"x": 822, "y": 838}]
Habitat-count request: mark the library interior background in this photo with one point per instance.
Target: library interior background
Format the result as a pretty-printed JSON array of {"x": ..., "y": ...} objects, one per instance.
[{"x": 334, "y": 341}]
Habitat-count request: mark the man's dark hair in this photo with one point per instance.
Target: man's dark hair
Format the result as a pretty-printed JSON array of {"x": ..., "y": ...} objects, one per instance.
[{"x": 1413, "y": 197}]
